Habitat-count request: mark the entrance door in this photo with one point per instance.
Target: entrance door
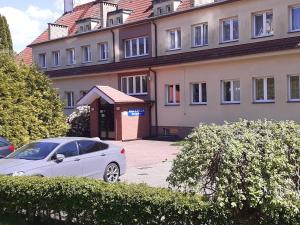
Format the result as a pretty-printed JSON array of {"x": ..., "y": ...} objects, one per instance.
[{"x": 107, "y": 121}]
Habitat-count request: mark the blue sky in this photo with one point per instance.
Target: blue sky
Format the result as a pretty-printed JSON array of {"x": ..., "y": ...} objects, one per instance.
[{"x": 29, "y": 18}]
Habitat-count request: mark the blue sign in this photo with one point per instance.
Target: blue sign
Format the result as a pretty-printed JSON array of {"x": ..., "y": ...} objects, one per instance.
[{"x": 136, "y": 112}]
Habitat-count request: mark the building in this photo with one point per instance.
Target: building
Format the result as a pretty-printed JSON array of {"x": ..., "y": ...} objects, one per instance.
[{"x": 162, "y": 67}]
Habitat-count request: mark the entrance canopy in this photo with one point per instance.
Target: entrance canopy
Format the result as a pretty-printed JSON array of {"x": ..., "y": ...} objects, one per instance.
[{"x": 109, "y": 94}]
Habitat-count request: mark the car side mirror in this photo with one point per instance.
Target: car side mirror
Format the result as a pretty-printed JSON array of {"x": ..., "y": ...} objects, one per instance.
[{"x": 59, "y": 158}]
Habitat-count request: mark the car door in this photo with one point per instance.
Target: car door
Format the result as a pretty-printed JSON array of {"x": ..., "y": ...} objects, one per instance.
[
  {"x": 94, "y": 158},
  {"x": 70, "y": 166}
]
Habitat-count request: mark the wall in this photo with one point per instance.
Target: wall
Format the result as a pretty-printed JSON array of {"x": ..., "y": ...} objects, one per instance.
[{"x": 245, "y": 69}]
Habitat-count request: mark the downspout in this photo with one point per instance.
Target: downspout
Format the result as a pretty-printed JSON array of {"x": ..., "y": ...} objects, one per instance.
[
  {"x": 155, "y": 38},
  {"x": 155, "y": 100},
  {"x": 114, "y": 41}
]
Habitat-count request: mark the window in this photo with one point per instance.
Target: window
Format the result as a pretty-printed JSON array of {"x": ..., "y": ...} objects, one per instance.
[
  {"x": 134, "y": 85},
  {"x": 264, "y": 89},
  {"x": 56, "y": 58},
  {"x": 68, "y": 150},
  {"x": 174, "y": 39},
  {"x": 119, "y": 20},
  {"x": 42, "y": 60},
  {"x": 159, "y": 11},
  {"x": 136, "y": 47},
  {"x": 173, "y": 94},
  {"x": 294, "y": 88},
  {"x": 111, "y": 22},
  {"x": 295, "y": 18},
  {"x": 70, "y": 99},
  {"x": 71, "y": 56},
  {"x": 86, "y": 54},
  {"x": 263, "y": 24},
  {"x": 231, "y": 91},
  {"x": 230, "y": 30},
  {"x": 87, "y": 27},
  {"x": 103, "y": 51},
  {"x": 200, "y": 37},
  {"x": 168, "y": 8},
  {"x": 199, "y": 95},
  {"x": 86, "y": 147},
  {"x": 81, "y": 29}
]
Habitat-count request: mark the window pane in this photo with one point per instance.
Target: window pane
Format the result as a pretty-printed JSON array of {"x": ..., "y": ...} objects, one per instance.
[
  {"x": 141, "y": 46},
  {"x": 204, "y": 94},
  {"x": 227, "y": 91},
  {"x": 271, "y": 89},
  {"x": 236, "y": 90},
  {"x": 138, "y": 84},
  {"x": 226, "y": 30},
  {"x": 127, "y": 48},
  {"x": 296, "y": 18},
  {"x": 269, "y": 23},
  {"x": 178, "y": 38},
  {"x": 170, "y": 94},
  {"x": 130, "y": 80},
  {"x": 147, "y": 45},
  {"x": 134, "y": 47},
  {"x": 196, "y": 95},
  {"x": 259, "y": 89},
  {"x": 124, "y": 85},
  {"x": 177, "y": 94},
  {"x": 172, "y": 40},
  {"x": 198, "y": 34},
  {"x": 235, "y": 29},
  {"x": 145, "y": 87},
  {"x": 68, "y": 150},
  {"x": 86, "y": 147},
  {"x": 259, "y": 20},
  {"x": 205, "y": 34},
  {"x": 294, "y": 87}
]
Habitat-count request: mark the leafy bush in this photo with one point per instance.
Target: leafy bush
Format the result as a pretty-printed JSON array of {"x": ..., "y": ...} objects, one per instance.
[
  {"x": 30, "y": 108},
  {"x": 84, "y": 201},
  {"x": 79, "y": 122},
  {"x": 249, "y": 169}
]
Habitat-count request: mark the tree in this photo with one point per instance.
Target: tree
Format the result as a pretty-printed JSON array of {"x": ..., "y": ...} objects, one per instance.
[
  {"x": 249, "y": 169},
  {"x": 6, "y": 45},
  {"x": 30, "y": 108}
]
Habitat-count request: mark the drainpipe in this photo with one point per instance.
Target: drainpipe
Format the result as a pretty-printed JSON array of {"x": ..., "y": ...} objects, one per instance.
[
  {"x": 155, "y": 37},
  {"x": 155, "y": 99},
  {"x": 114, "y": 41}
]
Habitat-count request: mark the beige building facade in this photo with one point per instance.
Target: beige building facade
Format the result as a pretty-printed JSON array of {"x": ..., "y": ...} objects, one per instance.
[{"x": 209, "y": 62}]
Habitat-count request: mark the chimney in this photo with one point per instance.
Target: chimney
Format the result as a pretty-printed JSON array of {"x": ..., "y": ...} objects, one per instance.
[
  {"x": 57, "y": 31},
  {"x": 68, "y": 6}
]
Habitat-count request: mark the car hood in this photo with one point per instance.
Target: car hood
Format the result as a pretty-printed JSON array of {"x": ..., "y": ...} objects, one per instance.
[{"x": 8, "y": 166}]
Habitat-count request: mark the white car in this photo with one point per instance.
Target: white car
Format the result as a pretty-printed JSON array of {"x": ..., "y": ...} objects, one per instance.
[{"x": 82, "y": 157}]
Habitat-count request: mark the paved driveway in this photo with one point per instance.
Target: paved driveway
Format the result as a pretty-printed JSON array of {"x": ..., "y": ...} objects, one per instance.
[{"x": 148, "y": 161}]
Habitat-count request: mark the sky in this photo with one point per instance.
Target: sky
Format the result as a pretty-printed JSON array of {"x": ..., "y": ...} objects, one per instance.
[{"x": 27, "y": 19}]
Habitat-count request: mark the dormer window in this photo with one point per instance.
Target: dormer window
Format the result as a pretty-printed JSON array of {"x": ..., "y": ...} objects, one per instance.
[
  {"x": 161, "y": 7},
  {"x": 88, "y": 24},
  {"x": 118, "y": 16},
  {"x": 119, "y": 20},
  {"x": 111, "y": 22}
]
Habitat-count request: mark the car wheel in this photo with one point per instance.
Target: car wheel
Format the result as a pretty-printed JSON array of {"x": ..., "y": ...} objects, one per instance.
[{"x": 112, "y": 173}]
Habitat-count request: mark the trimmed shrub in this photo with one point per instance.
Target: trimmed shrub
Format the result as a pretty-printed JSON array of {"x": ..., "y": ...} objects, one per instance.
[
  {"x": 85, "y": 201},
  {"x": 79, "y": 122},
  {"x": 249, "y": 169}
]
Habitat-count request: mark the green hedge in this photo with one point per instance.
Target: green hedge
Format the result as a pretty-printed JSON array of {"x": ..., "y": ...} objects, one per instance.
[{"x": 85, "y": 201}]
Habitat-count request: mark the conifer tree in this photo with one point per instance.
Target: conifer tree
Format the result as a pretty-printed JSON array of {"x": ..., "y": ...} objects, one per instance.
[
  {"x": 8, "y": 35},
  {"x": 5, "y": 36}
]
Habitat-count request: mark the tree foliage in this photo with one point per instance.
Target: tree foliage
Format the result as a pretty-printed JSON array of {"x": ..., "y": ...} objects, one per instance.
[
  {"x": 79, "y": 122},
  {"x": 30, "y": 108},
  {"x": 251, "y": 169},
  {"x": 6, "y": 45}
]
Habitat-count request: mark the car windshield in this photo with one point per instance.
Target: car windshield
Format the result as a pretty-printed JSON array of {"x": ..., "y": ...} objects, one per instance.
[{"x": 33, "y": 151}]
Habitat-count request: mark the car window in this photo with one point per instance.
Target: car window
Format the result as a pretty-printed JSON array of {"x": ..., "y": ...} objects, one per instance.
[
  {"x": 68, "y": 150},
  {"x": 91, "y": 146},
  {"x": 3, "y": 144},
  {"x": 34, "y": 151}
]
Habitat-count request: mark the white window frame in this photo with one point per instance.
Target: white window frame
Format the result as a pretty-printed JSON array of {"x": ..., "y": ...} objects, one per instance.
[
  {"x": 265, "y": 100},
  {"x": 177, "y": 46},
  {"x": 291, "y": 17},
  {"x": 232, "y": 101},
  {"x": 146, "y": 40},
  {"x": 71, "y": 51},
  {"x": 159, "y": 10},
  {"x": 119, "y": 20},
  {"x": 290, "y": 90},
  {"x": 201, "y": 102},
  {"x": 54, "y": 64},
  {"x": 168, "y": 8},
  {"x": 89, "y": 54},
  {"x": 105, "y": 45},
  {"x": 264, "y": 14},
  {"x": 174, "y": 94},
  {"x": 201, "y": 25},
  {"x": 231, "y": 30},
  {"x": 45, "y": 60},
  {"x": 72, "y": 103},
  {"x": 142, "y": 92}
]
